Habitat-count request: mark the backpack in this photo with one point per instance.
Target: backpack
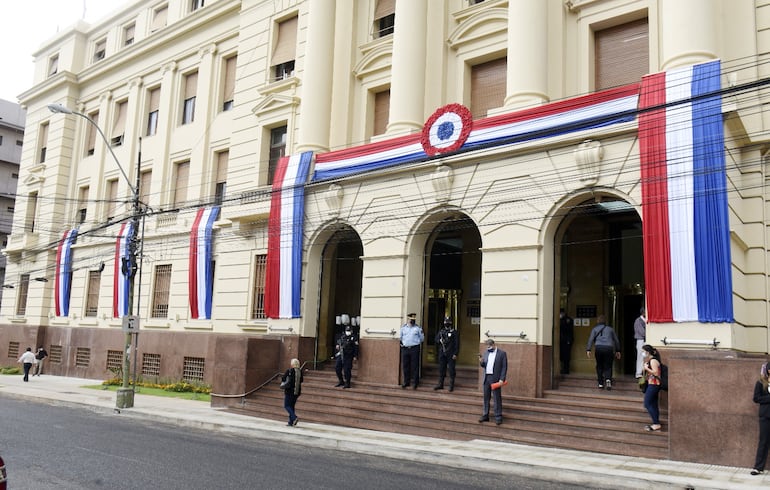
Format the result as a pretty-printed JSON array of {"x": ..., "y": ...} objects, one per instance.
[{"x": 663, "y": 377}]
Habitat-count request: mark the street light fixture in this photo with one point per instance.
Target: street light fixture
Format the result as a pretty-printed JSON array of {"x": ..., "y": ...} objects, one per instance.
[{"x": 125, "y": 396}]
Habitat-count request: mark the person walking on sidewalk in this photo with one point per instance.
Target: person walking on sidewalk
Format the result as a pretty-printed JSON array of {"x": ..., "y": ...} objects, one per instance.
[
  {"x": 607, "y": 349},
  {"x": 448, "y": 347},
  {"x": 292, "y": 388},
  {"x": 27, "y": 360},
  {"x": 652, "y": 369},
  {"x": 411, "y": 336},
  {"x": 762, "y": 397},
  {"x": 494, "y": 362},
  {"x": 40, "y": 356}
]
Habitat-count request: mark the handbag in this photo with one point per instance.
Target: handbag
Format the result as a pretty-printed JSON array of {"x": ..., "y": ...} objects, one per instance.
[
  {"x": 284, "y": 383},
  {"x": 642, "y": 384}
]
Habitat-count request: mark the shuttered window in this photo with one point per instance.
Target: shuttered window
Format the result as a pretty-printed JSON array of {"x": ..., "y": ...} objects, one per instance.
[
  {"x": 221, "y": 176},
  {"x": 277, "y": 150},
  {"x": 384, "y": 18},
  {"x": 112, "y": 198},
  {"x": 622, "y": 54},
  {"x": 128, "y": 35},
  {"x": 82, "y": 210},
  {"x": 21, "y": 300},
  {"x": 91, "y": 136},
  {"x": 53, "y": 65},
  {"x": 152, "y": 111},
  {"x": 190, "y": 92},
  {"x": 182, "y": 181},
  {"x": 119, "y": 128},
  {"x": 258, "y": 294},
  {"x": 29, "y": 222},
  {"x": 92, "y": 297},
  {"x": 161, "y": 290},
  {"x": 229, "y": 83},
  {"x": 145, "y": 185},
  {"x": 43, "y": 141},
  {"x": 159, "y": 18},
  {"x": 488, "y": 86},
  {"x": 100, "y": 50},
  {"x": 381, "y": 112},
  {"x": 285, "y": 50}
]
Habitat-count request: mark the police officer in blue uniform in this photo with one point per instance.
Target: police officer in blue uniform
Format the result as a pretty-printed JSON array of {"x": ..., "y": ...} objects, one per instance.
[
  {"x": 411, "y": 336},
  {"x": 346, "y": 353},
  {"x": 447, "y": 346}
]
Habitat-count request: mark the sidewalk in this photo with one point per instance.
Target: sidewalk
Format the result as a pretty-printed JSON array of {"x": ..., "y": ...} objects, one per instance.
[{"x": 576, "y": 467}]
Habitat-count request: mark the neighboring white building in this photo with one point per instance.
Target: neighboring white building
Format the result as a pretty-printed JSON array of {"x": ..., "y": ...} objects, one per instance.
[
  {"x": 12, "y": 118},
  {"x": 541, "y": 207}
]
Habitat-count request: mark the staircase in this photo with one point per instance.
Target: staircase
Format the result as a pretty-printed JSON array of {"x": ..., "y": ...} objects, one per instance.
[{"x": 575, "y": 416}]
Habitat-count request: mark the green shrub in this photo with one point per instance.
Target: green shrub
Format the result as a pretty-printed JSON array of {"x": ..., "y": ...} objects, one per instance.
[{"x": 10, "y": 370}]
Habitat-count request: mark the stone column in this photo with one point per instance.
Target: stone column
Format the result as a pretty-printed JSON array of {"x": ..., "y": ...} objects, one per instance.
[
  {"x": 407, "y": 86},
  {"x": 527, "y": 72},
  {"x": 699, "y": 20},
  {"x": 314, "y": 123}
]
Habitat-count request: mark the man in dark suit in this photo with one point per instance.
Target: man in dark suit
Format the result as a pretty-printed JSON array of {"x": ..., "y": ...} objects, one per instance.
[{"x": 494, "y": 362}]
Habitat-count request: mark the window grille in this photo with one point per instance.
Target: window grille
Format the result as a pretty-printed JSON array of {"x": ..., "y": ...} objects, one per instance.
[
  {"x": 82, "y": 357},
  {"x": 54, "y": 354},
  {"x": 150, "y": 364},
  {"x": 21, "y": 304},
  {"x": 13, "y": 350},
  {"x": 92, "y": 298},
  {"x": 193, "y": 368},
  {"x": 114, "y": 360},
  {"x": 161, "y": 291},
  {"x": 258, "y": 298}
]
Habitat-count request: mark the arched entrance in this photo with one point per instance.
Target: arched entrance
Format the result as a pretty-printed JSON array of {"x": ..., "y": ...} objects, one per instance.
[
  {"x": 453, "y": 285},
  {"x": 599, "y": 271},
  {"x": 340, "y": 292}
]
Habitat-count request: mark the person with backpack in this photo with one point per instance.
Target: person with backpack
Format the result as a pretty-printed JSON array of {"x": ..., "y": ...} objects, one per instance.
[
  {"x": 607, "y": 350},
  {"x": 652, "y": 370}
]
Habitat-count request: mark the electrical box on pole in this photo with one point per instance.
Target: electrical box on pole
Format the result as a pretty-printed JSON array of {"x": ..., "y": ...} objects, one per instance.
[{"x": 131, "y": 324}]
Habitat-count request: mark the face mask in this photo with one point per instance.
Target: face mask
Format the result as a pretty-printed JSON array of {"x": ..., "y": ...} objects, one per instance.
[
  {"x": 644, "y": 354},
  {"x": 412, "y": 322},
  {"x": 348, "y": 332},
  {"x": 491, "y": 349}
]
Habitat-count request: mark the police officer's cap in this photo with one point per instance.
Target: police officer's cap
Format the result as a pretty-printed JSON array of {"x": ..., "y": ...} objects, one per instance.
[{"x": 412, "y": 315}]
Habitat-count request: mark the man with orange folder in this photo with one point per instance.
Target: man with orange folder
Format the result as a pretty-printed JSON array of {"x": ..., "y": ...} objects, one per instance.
[{"x": 495, "y": 365}]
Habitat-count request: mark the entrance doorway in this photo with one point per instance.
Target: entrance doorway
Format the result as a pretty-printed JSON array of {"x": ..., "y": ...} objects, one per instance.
[
  {"x": 599, "y": 271},
  {"x": 453, "y": 280}
]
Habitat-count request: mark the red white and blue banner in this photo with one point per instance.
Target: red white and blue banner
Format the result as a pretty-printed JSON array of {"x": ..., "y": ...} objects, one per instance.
[
  {"x": 684, "y": 196},
  {"x": 447, "y": 128},
  {"x": 285, "y": 232},
  {"x": 63, "y": 279},
  {"x": 121, "y": 276},
  {"x": 201, "y": 273}
]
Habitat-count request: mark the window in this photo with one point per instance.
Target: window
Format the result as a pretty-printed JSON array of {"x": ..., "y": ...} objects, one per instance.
[
  {"x": 115, "y": 361},
  {"x": 221, "y": 176},
  {"x": 128, "y": 34},
  {"x": 13, "y": 350},
  {"x": 14, "y": 175},
  {"x": 193, "y": 368},
  {"x": 285, "y": 50},
  {"x": 1, "y": 139},
  {"x": 91, "y": 133},
  {"x": 10, "y": 209},
  {"x": 82, "y": 357},
  {"x": 119, "y": 127},
  {"x": 21, "y": 300},
  {"x": 487, "y": 86},
  {"x": 190, "y": 89},
  {"x": 92, "y": 296},
  {"x": 19, "y": 142},
  {"x": 161, "y": 291},
  {"x": 258, "y": 294},
  {"x": 82, "y": 209},
  {"x": 182, "y": 172},
  {"x": 384, "y": 18},
  {"x": 229, "y": 85},
  {"x": 159, "y": 17},
  {"x": 55, "y": 355},
  {"x": 152, "y": 111},
  {"x": 43, "y": 141},
  {"x": 53, "y": 65},
  {"x": 277, "y": 150},
  {"x": 29, "y": 221},
  {"x": 196, "y": 4},
  {"x": 112, "y": 199},
  {"x": 145, "y": 183},
  {"x": 622, "y": 54},
  {"x": 381, "y": 112},
  {"x": 100, "y": 50},
  {"x": 150, "y": 364}
]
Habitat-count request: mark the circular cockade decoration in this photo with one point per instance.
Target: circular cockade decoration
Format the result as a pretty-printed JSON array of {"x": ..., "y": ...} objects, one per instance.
[{"x": 447, "y": 129}]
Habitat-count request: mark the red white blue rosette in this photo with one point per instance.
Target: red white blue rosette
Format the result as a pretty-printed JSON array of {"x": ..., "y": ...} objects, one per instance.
[{"x": 447, "y": 129}]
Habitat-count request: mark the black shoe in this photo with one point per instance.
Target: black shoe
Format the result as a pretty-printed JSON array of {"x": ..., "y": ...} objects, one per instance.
[
  {"x": 483, "y": 419},
  {"x": 608, "y": 384},
  {"x": 404, "y": 386},
  {"x": 296, "y": 420},
  {"x": 347, "y": 385},
  {"x": 756, "y": 472},
  {"x": 414, "y": 387},
  {"x": 339, "y": 384},
  {"x": 498, "y": 421},
  {"x": 438, "y": 387},
  {"x": 451, "y": 387}
]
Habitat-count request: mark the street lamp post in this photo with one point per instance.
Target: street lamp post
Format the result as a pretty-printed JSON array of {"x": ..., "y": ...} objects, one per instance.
[{"x": 125, "y": 396}]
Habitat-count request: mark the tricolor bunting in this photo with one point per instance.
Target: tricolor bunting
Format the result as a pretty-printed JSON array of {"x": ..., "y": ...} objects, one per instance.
[
  {"x": 201, "y": 273},
  {"x": 285, "y": 232},
  {"x": 684, "y": 196},
  {"x": 604, "y": 108},
  {"x": 121, "y": 276},
  {"x": 63, "y": 279}
]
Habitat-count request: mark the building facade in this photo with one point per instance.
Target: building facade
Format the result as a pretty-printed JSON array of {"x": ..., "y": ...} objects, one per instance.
[
  {"x": 12, "y": 118},
  {"x": 303, "y": 164}
]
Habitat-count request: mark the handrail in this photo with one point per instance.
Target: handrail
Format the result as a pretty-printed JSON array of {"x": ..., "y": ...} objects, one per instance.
[
  {"x": 521, "y": 335},
  {"x": 384, "y": 332},
  {"x": 243, "y": 395},
  {"x": 713, "y": 343},
  {"x": 280, "y": 329}
]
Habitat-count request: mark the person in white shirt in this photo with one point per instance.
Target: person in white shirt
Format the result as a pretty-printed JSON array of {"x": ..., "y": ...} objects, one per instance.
[{"x": 27, "y": 359}]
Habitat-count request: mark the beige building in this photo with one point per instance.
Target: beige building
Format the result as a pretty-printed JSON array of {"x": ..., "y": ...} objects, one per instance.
[{"x": 483, "y": 160}]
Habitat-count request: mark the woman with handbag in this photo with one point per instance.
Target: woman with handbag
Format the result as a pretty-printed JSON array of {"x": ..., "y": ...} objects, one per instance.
[
  {"x": 292, "y": 387},
  {"x": 651, "y": 365},
  {"x": 762, "y": 397}
]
